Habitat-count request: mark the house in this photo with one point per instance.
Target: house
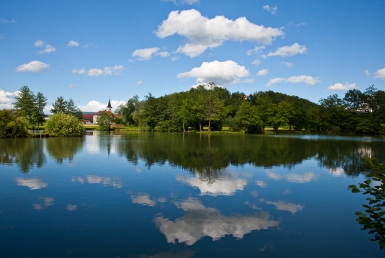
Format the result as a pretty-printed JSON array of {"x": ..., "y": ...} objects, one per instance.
[{"x": 92, "y": 117}]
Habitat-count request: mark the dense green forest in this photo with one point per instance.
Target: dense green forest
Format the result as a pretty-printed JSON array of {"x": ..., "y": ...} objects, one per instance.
[{"x": 214, "y": 107}]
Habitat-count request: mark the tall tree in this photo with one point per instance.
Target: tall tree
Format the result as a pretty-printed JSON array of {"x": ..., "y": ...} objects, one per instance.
[
  {"x": 59, "y": 106},
  {"x": 40, "y": 103},
  {"x": 25, "y": 104}
]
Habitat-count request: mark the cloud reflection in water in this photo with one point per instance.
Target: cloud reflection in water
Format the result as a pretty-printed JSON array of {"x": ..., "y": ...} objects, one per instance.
[
  {"x": 200, "y": 221},
  {"x": 32, "y": 183},
  {"x": 225, "y": 185}
]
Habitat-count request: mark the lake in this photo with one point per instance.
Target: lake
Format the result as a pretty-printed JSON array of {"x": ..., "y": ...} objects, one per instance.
[{"x": 184, "y": 195}]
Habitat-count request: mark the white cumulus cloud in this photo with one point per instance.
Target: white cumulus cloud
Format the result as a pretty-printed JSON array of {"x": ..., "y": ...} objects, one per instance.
[
  {"x": 222, "y": 73},
  {"x": 145, "y": 53},
  {"x": 272, "y": 10},
  {"x": 289, "y": 50},
  {"x": 39, "y": 43},
  {"x": 6, "y": 99},
  {"x": 113, "y": 70},
  {"x": 308, "y": 80},
  {"x": 255, "y": 50},
  {"x": 262, "y": 72},
  {"x": 340, "y": 86},
  {"x": 73, "y": 43},
  {"x": 380, "y": 74},
  {"x": 256, "y": 62},
  {"x": 203, "y": 33},
  {"x": 178, "y": 2},
  {"x": 367, "y": 72},
  {"x": 32, "y": 67}
]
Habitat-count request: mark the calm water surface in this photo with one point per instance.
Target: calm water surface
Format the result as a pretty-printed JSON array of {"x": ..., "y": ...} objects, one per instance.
[{"x": 175, "y": 195}]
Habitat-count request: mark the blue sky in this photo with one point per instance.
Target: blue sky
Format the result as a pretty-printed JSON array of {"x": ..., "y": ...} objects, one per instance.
[{"x": 91, "y": 51}]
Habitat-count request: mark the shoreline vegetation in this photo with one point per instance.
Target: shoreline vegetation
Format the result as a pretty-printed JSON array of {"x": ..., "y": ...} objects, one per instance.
[{"x": 204, "y": 109}]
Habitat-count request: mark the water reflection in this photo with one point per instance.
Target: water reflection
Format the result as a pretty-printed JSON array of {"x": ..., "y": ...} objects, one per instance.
[
  {"x": 94, "y": 179},
  {"x": 25, "y": 153},
  {"x": 64, "y": 148},
  {"x": 31, "y": 183},
  {"x": 205, "y": 156},
  {"x": 200, "y": 221},
  {"x": 293, "y": 178},
  {"x": 226, "y": 184}
]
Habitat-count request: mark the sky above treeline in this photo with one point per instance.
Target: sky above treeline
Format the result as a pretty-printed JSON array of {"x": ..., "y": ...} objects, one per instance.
[{"x": 91, "y": 51}]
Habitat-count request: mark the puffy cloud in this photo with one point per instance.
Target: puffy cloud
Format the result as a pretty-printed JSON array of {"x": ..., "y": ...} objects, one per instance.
[
  {"x": 340, "y": 86},
  {"x": 32, "y": 67},
  {"x": 200, "y": 221},
  {"x": 287, "y": 206},
  {"x": 367, "y": 72},
  {"x": 114, "y": 70},
  {"x": 203, "y": 33},
  {"x": 308, "y": 80},
  {"x": 95, "y": 106},
  {"x": 255, "y": 50},
  {"x": 293, "y": 178},
  {"x": 272, "y": 10},
  {"x": 142, "y": 198},
  {"x": 256, "y": 62},
  {"x": 225, "y": 185},
  {"x": 73, "y": 43},
  {"x": 148, "y": 53},
  {"x": 6, "y": 99},
  {"x": 287, "y": 64},
  {"x": 222, "y": 73},
  {"x": 39, "y": 43},
  {"x": 139, "y": 82},
  {"x": 289, "y": 50},
  {"x": 380, "y": 74},
  {"x": 32, "y": 183},
  {"x": 48, "y": 49},
  {"x": 145, "y": 53},
  {"x": 262, "y": 72},
  {"x": 275, "y": 80}
]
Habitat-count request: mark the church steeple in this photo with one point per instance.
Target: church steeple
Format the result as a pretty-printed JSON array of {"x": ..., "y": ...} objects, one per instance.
[{"x": 109, "y": 107}]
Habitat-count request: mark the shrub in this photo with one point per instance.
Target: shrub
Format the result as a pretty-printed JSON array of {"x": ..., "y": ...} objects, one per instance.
[
  {"x": 11, "y": 125},
  {"x": 64, "y": 125}
]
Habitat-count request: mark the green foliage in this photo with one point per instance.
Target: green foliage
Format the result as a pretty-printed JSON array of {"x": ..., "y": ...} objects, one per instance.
[
  {"x": 12, "y": 126},
  {"x": 29, "y": 106},
  {"x": 64, "y": 125},
  {"x": 247, "y": 119},
  {"x": 374, "y": 217},
  {"x": 105, "y": 119},
  {"x": 61, "y": 106}
]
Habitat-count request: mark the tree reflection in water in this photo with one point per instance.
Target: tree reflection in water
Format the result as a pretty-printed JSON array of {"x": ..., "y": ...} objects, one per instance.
[
  {"x": 62, "y": 148},
  {"x": 373, "y": 219},
  {"x": 25, "y": 153}
]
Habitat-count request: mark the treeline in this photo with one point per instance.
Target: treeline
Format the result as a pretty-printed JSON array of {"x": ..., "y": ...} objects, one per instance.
[
  {"x": 214, "y": 107},
  {"x": 28, "y": 112}
]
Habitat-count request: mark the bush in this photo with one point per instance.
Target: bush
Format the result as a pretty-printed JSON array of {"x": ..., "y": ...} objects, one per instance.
[
  {"x": 11, "y": 125},
  {"x": 64, "y": 125}
]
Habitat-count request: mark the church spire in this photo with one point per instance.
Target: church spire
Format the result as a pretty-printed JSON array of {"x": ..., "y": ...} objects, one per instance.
[{"x": 109, "y": 107}]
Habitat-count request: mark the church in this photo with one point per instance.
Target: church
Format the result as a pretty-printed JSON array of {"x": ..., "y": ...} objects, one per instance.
[{"x": 92, "y": 117}]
